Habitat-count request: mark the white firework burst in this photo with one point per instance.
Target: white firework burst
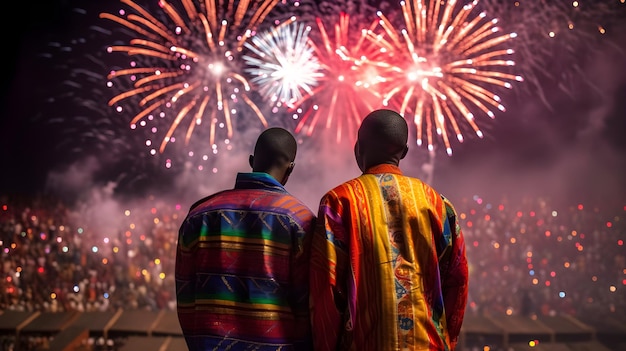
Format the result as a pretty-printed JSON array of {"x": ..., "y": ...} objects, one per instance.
[{"x": 282, "y": 64}]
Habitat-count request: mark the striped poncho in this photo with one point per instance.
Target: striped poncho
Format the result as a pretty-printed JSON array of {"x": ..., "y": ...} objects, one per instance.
[
  {"x": 241, "y": 269},
  {"x": 388, "y": 266}
]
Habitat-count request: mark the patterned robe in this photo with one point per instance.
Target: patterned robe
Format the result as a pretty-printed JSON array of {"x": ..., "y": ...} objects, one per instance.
[
  {"x": 388, "y": 266},
  {"x": 242, "y": 271}
]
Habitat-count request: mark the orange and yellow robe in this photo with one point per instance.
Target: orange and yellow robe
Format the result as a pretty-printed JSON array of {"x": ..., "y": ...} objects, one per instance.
[{"x": 388, "y": 266}]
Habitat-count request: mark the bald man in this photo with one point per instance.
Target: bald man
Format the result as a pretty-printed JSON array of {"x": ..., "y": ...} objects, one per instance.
[
  {"x": 388, "y": 265},
  {"x": 241, "y": 268}
]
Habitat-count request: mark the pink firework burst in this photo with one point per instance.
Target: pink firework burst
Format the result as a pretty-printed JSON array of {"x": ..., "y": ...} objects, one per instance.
[
  {"x": 443, "y": 67},
  {"x": 346, "y": 91}
]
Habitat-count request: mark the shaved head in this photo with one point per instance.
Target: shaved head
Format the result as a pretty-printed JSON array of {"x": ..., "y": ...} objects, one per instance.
[
  {"x": 382, "y": 138},
  {"x": 274, "y": 153}
]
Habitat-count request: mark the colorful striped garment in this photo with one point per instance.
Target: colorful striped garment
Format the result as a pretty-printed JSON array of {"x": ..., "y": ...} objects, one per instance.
[
  {"x": 242, "y": 271},
  {"x": 388, "y": 266}
]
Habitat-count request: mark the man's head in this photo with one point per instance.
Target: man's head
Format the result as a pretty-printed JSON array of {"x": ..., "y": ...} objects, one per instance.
[
  {"x": 382, "y": 139},
  {"x": 274, "y": 154}
]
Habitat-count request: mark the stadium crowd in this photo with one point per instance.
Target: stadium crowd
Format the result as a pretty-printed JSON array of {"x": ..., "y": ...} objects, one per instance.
[
  {"x": 53, "y": 259},
  {"x": 526, "y": 257}
]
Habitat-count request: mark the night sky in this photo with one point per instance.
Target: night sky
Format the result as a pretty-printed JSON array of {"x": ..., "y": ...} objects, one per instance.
[
  {"x": 26, "y": 151},
  {"x": 572, "y": 151}
]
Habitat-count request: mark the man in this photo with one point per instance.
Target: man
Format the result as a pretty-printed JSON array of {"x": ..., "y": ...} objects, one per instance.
[
  {"x": 241, "y": 268},
  {"x": 388, "y": 263}
]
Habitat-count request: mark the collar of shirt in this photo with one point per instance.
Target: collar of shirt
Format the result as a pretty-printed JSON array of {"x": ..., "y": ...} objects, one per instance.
[
  {"x": 257, "y": 180},
  {"x": 384, "y": 168}
]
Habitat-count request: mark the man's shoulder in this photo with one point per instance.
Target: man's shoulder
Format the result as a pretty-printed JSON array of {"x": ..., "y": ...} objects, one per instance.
[
  {"x": 357, "y": 181},
  {"x": 344, "y": 188},
  {"x": 292, "y": 206},
  {"x": 206, "y": 199},
  {"x": 255, "y": 200},
  {"x": 419, "y": 182}
]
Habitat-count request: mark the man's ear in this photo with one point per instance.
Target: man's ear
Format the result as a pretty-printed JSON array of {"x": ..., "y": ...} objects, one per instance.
[
  {"x": 406, "y": 150},
  {"x": 251, "y": 161},
  {"x": 287, "y": 173}
]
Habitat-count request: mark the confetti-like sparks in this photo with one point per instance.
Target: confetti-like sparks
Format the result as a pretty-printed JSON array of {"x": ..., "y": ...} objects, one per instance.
[
  {"x": 186, "y": 63},
  {"x": 556, "y": 39},
  {"x": 282, "y": 62},
  {"x": 346, "y": 91},
  {"x": 443, "y": 66}
]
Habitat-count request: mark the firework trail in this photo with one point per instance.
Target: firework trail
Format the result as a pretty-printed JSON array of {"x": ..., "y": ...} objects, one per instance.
[
  {"x": 443, "y": 66},
  {"x": 186, "y": 63},
  {"x": 282, "y": 64},
  {"x": 84, "y": 129}
]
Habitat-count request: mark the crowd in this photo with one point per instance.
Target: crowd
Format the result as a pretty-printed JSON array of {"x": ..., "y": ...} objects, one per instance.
[
  {"x": 54, "y": 258},
  {"x": 526, "y": 256}
]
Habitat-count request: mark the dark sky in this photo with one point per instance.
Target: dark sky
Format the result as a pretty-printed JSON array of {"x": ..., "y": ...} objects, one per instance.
[
  {"x": 25, "y": 145},
  {"x": 573, "y": 151}
]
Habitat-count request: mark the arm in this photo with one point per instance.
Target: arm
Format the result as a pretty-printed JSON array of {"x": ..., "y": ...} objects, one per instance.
[
  {"x": 327, "y": 258},
  {"x": 185, "y": 277},
  {"x": 454, "y": 274},
  {"x": 302, "y": 230}
]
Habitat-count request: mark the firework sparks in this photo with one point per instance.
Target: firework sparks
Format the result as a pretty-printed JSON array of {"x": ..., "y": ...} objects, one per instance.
[
  {"x": 282, "y": 62},
  {"x": 443, "y": 64},
  {"x": 555, "y": 38},
  {"x": 345, "y": 91},
  {"x": 186, "y": 64}
]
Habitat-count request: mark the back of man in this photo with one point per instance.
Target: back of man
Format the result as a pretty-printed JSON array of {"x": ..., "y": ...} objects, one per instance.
[
  {"x": 388, "y": 265},
  {"x": 241, "y": 269}
]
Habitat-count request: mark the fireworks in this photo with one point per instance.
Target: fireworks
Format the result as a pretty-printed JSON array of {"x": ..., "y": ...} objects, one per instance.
[
  {"x": 443, "y": 66},
  {"x": 555, "y": 38},
  {"x": 282, "y": 62},
  {"x": 186, "y": 65},
  {"x": 441, "y": 69},
  {"x": 345, "y": 93}
]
